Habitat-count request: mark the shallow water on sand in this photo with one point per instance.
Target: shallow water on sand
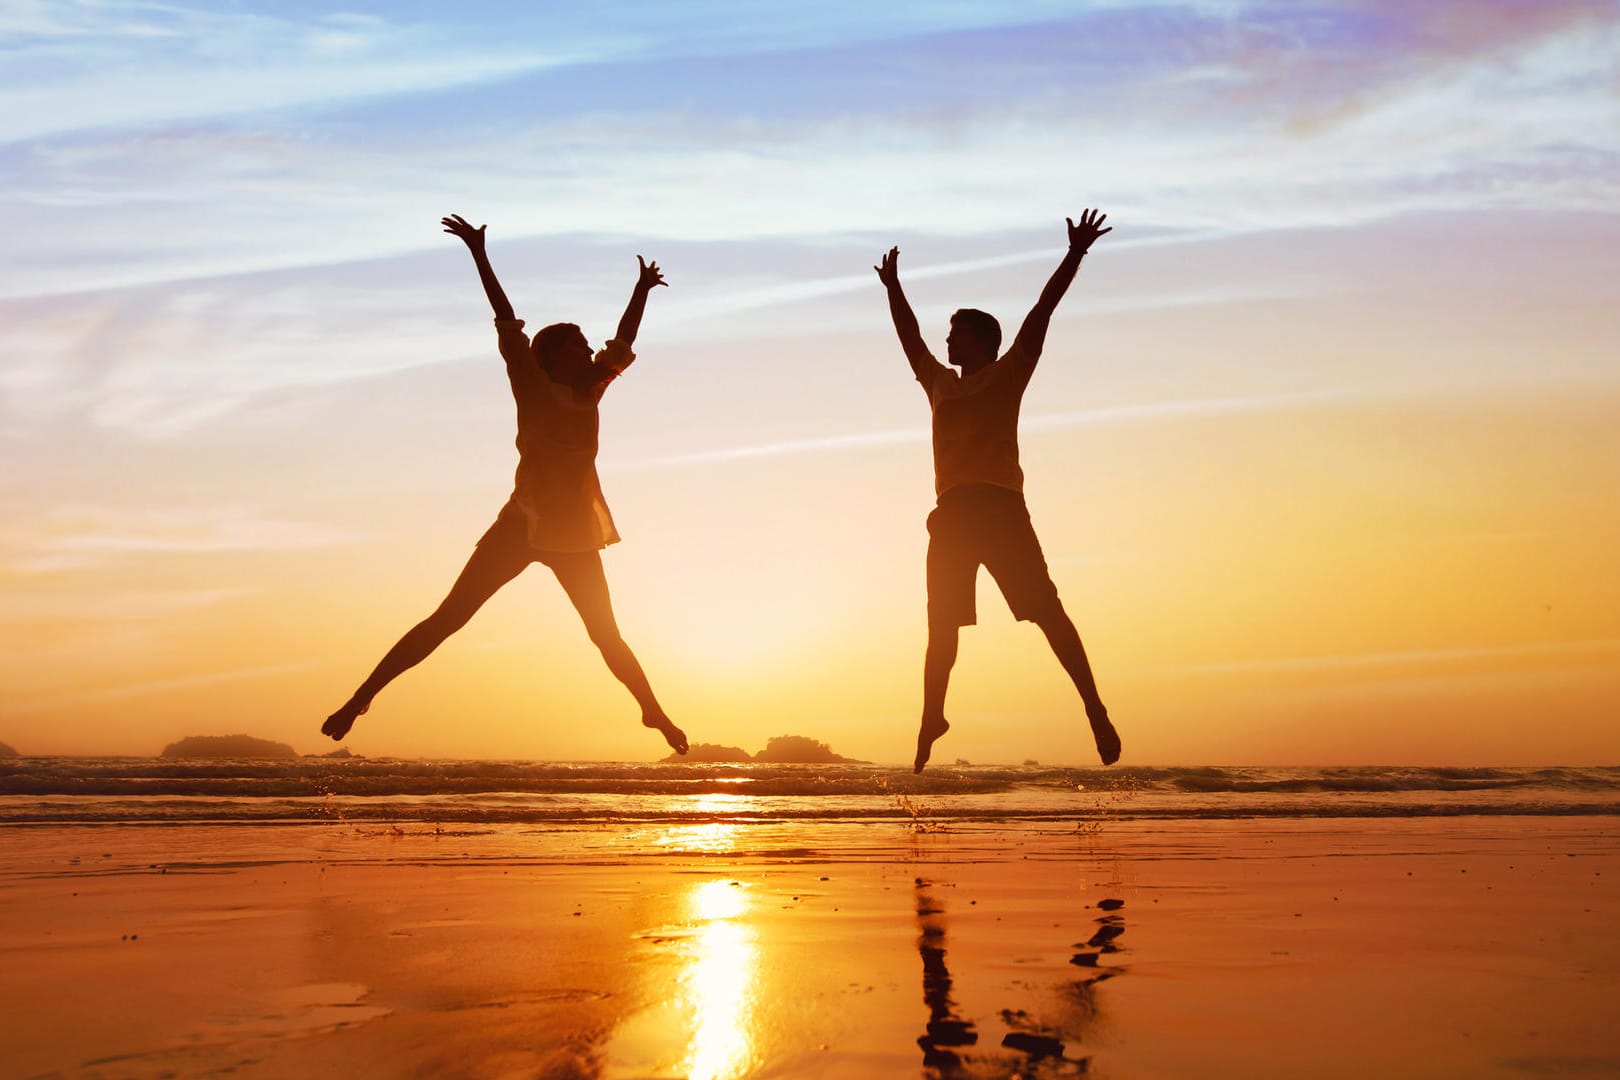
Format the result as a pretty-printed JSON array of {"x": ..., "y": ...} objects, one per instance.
[{"x": 64, "y": 790}]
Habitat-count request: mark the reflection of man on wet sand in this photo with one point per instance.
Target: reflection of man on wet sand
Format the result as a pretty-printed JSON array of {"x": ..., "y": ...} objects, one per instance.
[
  {"x": 981, "y": 518},
  {"x": 1040, "y": 1035},
  {"x": 945, "y": 1029}
]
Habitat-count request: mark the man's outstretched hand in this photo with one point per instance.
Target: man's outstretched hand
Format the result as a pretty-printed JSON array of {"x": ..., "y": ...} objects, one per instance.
[
  {"x": 649, "y": 275},
  {"x": 1083, "y": 235},
  {"x": 889, "y": 271},
  {"x": 456, "y": 225}
]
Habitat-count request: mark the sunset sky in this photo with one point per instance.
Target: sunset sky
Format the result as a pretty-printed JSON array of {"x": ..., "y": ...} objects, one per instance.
[{"x": 1324, "y": 449}]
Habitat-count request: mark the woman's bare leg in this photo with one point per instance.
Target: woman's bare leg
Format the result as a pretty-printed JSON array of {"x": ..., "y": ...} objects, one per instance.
[
  {"x": 581, "y": 576},
  {"x": 491, "y": 566}
]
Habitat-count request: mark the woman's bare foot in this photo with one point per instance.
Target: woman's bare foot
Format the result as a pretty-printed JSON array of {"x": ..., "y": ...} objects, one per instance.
[
  {"x": 930, "y": 731},
  {"x": 338, "y": 724},
  {"x": 1102, "y": 729},
  {"x": 672, "y": 734}
]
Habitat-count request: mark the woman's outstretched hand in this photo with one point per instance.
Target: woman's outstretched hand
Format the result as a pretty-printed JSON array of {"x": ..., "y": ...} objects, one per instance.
[
  {"x": 649, "y": 275},
  {"x": 1083, "y": 235},
  {"x": 456, "y": 225}
]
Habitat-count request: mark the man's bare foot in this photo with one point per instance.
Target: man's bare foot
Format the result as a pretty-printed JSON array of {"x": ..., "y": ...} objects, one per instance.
[
  {"x": 1102, "y": 729},
  {"x": 672, "y": 734},
  {"x": 338, "y": 724},
  {"x": 926, "y": 735}
]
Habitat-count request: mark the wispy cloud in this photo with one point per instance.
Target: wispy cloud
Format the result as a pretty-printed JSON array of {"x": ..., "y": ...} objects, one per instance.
[
  {"x": 113, "y": 605},
  {"x": 1241, "y": 116},
  {"x": 127, "y": 691},
  {"x": 81, "y": 538},
  {"x": 1031, "y": 424},
  {"x": 82, "y": 65},
  {"x": 165, "y": 361},
  {"x": 734, "y": 301},
  {"x": 1411, "y": 658}
]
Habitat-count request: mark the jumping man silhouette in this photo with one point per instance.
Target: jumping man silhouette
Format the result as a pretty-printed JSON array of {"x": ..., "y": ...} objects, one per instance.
[{"x": 980, "y": 518}]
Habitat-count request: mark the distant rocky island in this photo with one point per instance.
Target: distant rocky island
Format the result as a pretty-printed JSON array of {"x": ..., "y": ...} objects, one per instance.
[
  {"x": 781, "y": 750},
  {"x": 6, "y": 751},
  {"x": 705, "y": 751},
  {"x": 227, "y": 746},
  {"x": 340, "y": 752}
]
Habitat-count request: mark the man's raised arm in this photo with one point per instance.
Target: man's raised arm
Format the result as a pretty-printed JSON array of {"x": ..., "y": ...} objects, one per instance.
[
  {"x": 456, "y": 225},
  {"x": 905, "y": 320},
  {"x": 1032, "y": 335}
]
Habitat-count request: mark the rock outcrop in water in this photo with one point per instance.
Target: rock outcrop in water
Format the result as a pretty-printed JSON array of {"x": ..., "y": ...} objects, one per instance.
[
  {"x": 789, "y": 749},
  {"x": 6, "y": 751},
  {"x": 704, "y": 751},
  {"x": 227, "y": 746},
  {"x": 782, "y": 750}
]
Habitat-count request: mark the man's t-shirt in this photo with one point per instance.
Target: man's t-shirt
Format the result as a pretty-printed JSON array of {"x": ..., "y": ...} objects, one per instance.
[
  {"x": 556, "y": 488},
  {"x": 976, "y": 421}
]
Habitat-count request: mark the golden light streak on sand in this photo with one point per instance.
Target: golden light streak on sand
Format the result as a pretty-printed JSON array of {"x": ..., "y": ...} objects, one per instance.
[{"x": 719, "y": 984}]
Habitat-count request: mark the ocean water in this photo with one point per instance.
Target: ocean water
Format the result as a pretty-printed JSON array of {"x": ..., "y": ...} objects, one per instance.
[{"x": 321, "y": 790}]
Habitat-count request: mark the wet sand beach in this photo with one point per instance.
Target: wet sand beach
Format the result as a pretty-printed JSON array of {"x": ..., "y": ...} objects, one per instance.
[{"x": 1346, "y": 947}]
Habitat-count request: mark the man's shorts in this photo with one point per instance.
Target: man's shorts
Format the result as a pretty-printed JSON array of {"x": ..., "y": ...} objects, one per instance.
[{"x": 981, "y": 524}]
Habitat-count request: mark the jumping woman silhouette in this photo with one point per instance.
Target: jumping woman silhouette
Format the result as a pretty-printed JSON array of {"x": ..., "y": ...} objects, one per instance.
[{"x": 556, "y": 515}]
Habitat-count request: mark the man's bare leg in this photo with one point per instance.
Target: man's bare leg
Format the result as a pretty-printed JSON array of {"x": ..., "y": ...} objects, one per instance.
[
  {"x": 937, "y": 664},
  {"x": 1065, "y": 642},
  {"x": 582, "y": 578},
  {"x": 491, "y": 566}
]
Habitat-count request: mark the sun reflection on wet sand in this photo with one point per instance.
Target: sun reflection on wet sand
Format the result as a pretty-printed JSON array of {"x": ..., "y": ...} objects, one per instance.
[
  {"x": 719, "y": 983},
  {"x": 713, "y": 837},
  {"x": 706, "y": 1028}
]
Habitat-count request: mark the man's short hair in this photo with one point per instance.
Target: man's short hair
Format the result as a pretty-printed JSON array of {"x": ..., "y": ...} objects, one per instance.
[
  {"x": 982, "y": 325},
  {"x": 547, "y": 341}
]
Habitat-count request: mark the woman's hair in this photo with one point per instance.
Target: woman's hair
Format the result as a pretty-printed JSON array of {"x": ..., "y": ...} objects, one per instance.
[{"x": 549, "y": 338}]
